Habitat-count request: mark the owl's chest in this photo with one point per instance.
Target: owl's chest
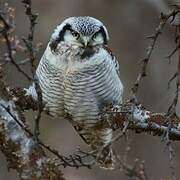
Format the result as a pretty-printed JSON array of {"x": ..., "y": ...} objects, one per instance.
[{"x": 72, "y": 79}]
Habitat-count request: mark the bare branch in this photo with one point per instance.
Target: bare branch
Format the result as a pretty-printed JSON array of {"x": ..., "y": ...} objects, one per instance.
[
  {"x": 6, "y": 34},
  {"x": 29, "y": 40},
  {"x": 176, "y": 76},
  {"x": 163, "y": 20}
]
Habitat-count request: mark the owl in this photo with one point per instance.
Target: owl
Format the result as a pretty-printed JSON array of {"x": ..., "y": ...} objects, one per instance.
[{"x": 79, "y": 77}]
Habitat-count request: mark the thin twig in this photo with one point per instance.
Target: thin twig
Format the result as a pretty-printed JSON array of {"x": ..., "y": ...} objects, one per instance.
[
  {"x": 170, "y": 151},
  {"x": 176, "y": 76},
  {"x": 172, "y": 108},
  {"x": 29, "y": 40},
  {"x": 32, "y": 56},
  {"x": 5, "y": 34},
  {"x": 143, "y": 71}
]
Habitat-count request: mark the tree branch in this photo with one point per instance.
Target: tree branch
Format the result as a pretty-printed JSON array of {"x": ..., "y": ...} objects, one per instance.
[
  {"x": 141, "y": 120},
  {"x": 163, "y": 20},
  {"x": 28, "y": 159}
]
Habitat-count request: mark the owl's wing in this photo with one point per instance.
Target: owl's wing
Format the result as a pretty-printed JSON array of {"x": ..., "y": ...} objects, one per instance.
[{"x": 116, "y": 63}]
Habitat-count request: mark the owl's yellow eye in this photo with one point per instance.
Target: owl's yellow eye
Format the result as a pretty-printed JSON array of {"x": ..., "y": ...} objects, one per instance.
[{"x": 75, "y": 34}]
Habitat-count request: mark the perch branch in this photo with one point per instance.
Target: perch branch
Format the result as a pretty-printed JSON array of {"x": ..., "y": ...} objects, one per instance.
[{"x": 141, "y": 120}]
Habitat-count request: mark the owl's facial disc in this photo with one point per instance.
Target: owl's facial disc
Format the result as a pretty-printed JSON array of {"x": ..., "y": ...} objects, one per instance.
[
  {"x": 80, "y": 31},
  {"x": 77, "y": 38}
]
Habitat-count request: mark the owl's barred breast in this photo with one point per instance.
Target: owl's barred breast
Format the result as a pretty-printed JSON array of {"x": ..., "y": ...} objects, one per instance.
[{"x": 79, "y": 88}]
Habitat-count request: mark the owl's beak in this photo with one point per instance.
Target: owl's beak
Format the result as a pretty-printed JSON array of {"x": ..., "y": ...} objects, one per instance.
[{"x": 85, "y": 41}]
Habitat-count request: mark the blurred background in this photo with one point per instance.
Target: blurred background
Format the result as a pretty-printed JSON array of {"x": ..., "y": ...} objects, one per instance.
[{"x": 128, "y": 23}]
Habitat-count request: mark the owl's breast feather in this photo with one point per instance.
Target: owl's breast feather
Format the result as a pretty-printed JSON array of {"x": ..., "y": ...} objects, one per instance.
[{"x": 79, "y": 60}]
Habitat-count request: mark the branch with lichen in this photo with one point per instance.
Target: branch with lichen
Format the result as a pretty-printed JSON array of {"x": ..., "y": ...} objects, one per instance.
[
  {"x": 141, "y": 119},
  {"x": 19, "y": 147}
]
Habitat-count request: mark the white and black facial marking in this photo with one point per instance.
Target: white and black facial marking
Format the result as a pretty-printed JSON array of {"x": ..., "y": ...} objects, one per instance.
[
  {"x": 99, "y": 37},
  {"x": 85, "y": 32}
]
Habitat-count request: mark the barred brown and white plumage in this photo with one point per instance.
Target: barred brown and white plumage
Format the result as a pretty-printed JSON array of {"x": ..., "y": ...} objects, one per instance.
[{"x": 79, "y": 76}]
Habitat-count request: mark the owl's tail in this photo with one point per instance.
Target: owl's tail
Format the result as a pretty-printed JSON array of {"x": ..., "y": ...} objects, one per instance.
[
  {"x": 106, "y": 158},
  {"x": 99, "y": 137}
]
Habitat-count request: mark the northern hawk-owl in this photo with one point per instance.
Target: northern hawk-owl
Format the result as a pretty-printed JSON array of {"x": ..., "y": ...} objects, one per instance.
[{"x": 79, "y": 76}]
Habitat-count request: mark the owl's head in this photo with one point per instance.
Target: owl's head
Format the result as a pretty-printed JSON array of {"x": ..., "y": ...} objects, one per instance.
[{"x": 80, "y": 31}]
